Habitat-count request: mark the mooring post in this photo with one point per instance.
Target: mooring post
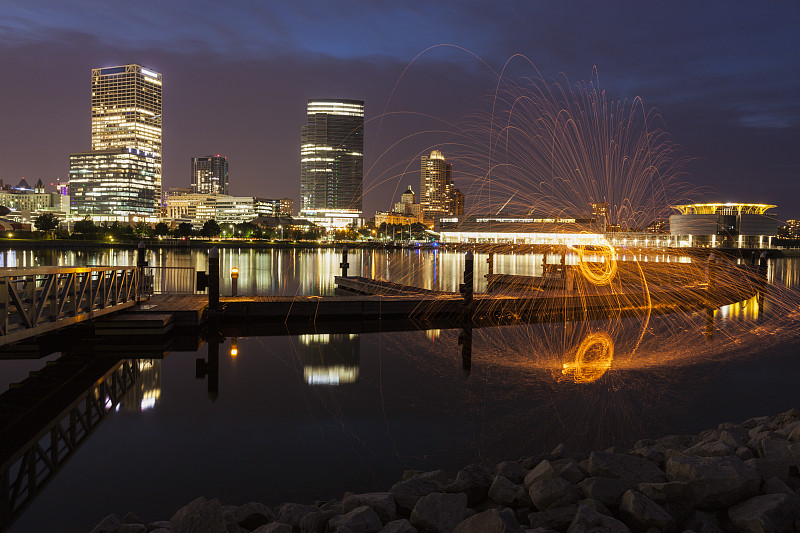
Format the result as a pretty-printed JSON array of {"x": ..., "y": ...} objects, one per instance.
[
  {"x": 141, "y": 263},
  {"x": 465, "y": 340},
  {"x": 490, "y": 275},
  {"x": 762, "y": 264},
  {"x": 213, "y": 279},
  {"x": 235, "y": 281},
  {"x": 344, "y": 264},
  {"x": 467, "y": 288}
]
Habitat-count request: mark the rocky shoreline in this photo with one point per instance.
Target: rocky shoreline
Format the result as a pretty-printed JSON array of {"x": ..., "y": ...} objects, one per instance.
[{"x": 736, "y": 477}]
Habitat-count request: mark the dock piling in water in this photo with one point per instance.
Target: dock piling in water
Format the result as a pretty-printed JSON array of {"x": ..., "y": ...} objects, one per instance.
[
  {"x": 213, "y": 279},
  {"x": 344, "y": 264}
]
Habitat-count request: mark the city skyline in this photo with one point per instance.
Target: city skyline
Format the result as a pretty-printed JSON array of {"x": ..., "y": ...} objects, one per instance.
[{"x": 721, "y": 75}]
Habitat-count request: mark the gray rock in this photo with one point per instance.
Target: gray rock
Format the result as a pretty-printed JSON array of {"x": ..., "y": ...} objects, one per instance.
[
  {"x": 252, "y": 515},
  {"x": 380, "y": 502},
  {"x": 768, "y": 512},
  {"x": 676, "y": 442},
  {"x": 491, "y": 521},
  {"x": 745, "y": 453},
  {"x": 399, "y": 526},
  {"x": 439, "y": 512},
  {"x": 547, "y": 493},
  {"x": 654, "y": 454},
  {"x": 713, "y": 448},
  {"x": 642, "y": 513},
  {"x": 734, "y": 439},
  {"x": 474, "y": 481},
  {"x": 131, "y": 528},
  {"x": 774, "y": 447},
  {"x": 775, "y": 486},
  {"x": 767, "y": 468},
  {"x": 505, "y": 492},
  {"x": 293, "y": 513},
  {"x": 199, "y": 516},
  {"x": 159, "y": 524},
  {"x": 360, "y": 520},
  {"x": 788, "y": 429},
  {"x": 631, "y": 469},
  {"x": 571, "y": 472},
  {"x": 588, "y": 520},
  {"x": 316, "y": 522},
  {"x": 275, "y": 527},
  {"x": 107, "y": 525},
  {"x": 558, "y": 518},
  {"x": 783, "y": 419},
  {"x": 406, "y": 493},
  {"x": 675, "y": 497},
  {"x": 512, "y": 471},
  {"x": 131, "y": 518},
  {"x": 753, "y": 422},
  {"x": 159, "y": 530},
  {"x": 596, "y": 505},
  {"x": 794, "y": 436},
  {"x": 544, "y": 470},
  {"x": 794, "y": 450},
  {"x": 606, "y": 490},
  {"x": 714, "y": 481},
  {"x": 559, "y": 451},
  {"x": 703, "y": 523}
]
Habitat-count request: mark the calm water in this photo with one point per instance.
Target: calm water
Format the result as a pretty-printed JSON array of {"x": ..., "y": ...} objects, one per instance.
[{"x": 299, "y": 418}]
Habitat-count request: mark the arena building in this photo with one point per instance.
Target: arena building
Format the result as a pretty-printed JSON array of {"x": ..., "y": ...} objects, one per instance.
[{"x": 723, "y": 225}]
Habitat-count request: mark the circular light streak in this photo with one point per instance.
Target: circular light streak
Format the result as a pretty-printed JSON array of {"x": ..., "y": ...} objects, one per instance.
[
  {"x": 597, "y": 273},
  {"x": 592, "y": 359}
]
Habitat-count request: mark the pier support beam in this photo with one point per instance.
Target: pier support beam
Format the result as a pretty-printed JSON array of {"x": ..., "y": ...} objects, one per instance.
[
  {"x": 213, "y": 279},
  {"x": 140, "y": 263}
]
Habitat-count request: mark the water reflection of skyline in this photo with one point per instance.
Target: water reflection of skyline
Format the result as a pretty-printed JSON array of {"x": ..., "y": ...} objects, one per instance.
[{"x": 329, "y": 359}]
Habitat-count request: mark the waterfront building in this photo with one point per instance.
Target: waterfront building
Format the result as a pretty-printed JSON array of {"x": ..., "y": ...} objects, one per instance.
[
  {"x": 26, "y": 202},
  {"x": 723, "y": 225},
  {"x": 235, "y": 209},
  {"x": 193, "y": 207},
  {"x": 435, "y": 183},
  {"x": 519, "y": 230},
  {"x": 408, "y": 206},
  {"x": 286, "y": 207},
  {"x": 383, "y": 217},
  {"x": 120, "y": 178},
  {"x": 332, "y": 160},
  {"x": 210, "y": 174},
  {"x": 117, "y": 184},
  {"x": 790, "y": 230}
]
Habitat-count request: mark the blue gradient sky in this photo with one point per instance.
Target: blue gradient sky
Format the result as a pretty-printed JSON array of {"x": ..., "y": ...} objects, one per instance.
[{"x": 724, "y": 76}]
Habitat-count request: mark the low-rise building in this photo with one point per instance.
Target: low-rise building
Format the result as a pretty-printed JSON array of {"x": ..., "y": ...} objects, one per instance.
[{"x": 728, "y": 225}]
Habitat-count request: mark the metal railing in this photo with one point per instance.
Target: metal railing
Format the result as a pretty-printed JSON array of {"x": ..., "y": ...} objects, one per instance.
[
  {"x": 169, "y": 280},
  {"x": 37, "y": 300}
]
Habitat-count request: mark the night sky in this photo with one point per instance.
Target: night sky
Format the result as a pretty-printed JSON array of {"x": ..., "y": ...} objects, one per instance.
[{"x": 723, "y": 75}]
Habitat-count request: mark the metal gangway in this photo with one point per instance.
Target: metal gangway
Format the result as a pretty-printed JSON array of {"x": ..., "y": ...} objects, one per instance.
[{"x": 38, "y": 300}]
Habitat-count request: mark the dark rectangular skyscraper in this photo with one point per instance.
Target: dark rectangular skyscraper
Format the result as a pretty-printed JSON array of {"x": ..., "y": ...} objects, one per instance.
[
  {"x": 210, "y": 174},
  {"x": 332, "y": 155}
]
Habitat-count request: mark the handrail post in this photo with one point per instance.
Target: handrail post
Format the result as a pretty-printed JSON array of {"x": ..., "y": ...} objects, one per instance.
[{"x": 141, "y": 263}]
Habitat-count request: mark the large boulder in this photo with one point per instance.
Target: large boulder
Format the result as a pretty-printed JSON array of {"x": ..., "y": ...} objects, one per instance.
[
  {"x": 505, "y": 492},
  {"x": 293, "y": 513},
  {"x": 713, "y": 448},
  {"x": 642, "y": 513},
  {"x": 715, "y": 482},
  {"x": 360, "y": 520},
  {"x": 511, "y": 470},
  {"x": 606, "y": 490},
  {"x": 543, "y": 470},
  {"x": 491, "y": 521},
  {"x": 558, "y": 518},
  {"x": 439, "y": 512},
  {"x": 399, "y": 526},
  {"x": 380, "y": 502},
  {"x": 675, "y": 497},
  {"x": 407, "y": 492},
  {"x": 108, "y": 524},
  {"x": 252, "y": 515},
  {"x": 769, "y": 467},
  {"x": 631, "y": 469},
  {"x": 766, "y": 513},
  {"x": 474, "y": 481},
  {"x": 199, "y": 516},
  {"x": 588, "y": 520},
  {"x": 547, "y": 493},
  {"x": 275, "y": 527}
]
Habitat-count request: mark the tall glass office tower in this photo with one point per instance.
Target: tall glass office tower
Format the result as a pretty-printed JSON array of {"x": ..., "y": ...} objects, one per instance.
[
  {"x": 332, "y": 156},
  {"x": 210, "y": 174},
  {"x": 120, "y": 177}
]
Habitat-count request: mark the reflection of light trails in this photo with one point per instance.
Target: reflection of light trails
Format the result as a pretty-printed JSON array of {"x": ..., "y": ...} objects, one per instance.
[
  {"x": 592, "y": 359},
  {"x": 598, "y": 273}
]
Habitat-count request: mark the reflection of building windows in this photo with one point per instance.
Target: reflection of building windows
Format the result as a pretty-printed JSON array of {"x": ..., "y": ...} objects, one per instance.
[
  {"x": 146, "y": 392},
  {"x": 330, "y": 359}
]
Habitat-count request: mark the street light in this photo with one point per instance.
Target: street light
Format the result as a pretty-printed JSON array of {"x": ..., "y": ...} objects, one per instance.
[{"x": 281, "y": 228}]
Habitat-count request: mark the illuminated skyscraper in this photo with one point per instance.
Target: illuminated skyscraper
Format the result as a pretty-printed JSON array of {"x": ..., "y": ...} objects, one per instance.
[
  {"x": 210, "y": 174},
  {"x": 332, "y": 155},
  {"x": 120, "y": 177},
  {"x": 436, "y": 183}
]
